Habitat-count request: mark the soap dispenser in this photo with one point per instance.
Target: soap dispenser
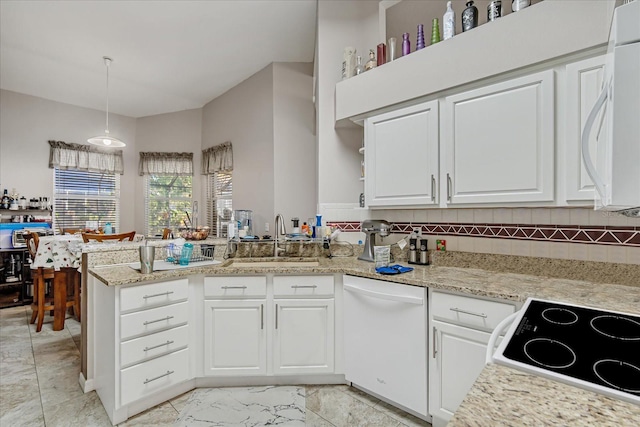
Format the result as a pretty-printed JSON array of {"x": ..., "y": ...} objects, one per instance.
[{"x": 296, "y": 226}]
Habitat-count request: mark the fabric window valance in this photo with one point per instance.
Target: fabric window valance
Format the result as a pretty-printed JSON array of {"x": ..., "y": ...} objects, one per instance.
[
  {"x": 217, "y": 159},
  {"x": 165, "y": 163},
  {"x": 70, "y": 156}
]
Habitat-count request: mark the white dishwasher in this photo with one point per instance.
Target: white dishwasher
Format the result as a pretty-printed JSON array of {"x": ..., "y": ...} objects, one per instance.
[{"x": 385, "y": 341}]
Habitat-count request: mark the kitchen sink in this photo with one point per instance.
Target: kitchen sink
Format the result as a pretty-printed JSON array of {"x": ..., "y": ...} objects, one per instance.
[{"x": 274, "y": 263}]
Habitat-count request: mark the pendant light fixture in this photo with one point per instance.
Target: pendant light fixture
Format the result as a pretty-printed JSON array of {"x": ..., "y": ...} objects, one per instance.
[{"x": 106, "y": 140}]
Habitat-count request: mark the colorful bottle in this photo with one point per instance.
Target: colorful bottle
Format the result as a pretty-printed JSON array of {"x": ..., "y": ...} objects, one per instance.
[
  {"x": 420, "y": 39},
  {"x": 435, "y": 31},
  {"x": 382, "y": 54},
  {"x": 469, "y": 17},
  {"x": 449, "y": 23},
  {"x": 406, "y": 44}
]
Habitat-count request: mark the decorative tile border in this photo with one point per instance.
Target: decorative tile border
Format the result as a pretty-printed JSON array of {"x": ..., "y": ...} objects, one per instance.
[{"x": 586, "y": 234}]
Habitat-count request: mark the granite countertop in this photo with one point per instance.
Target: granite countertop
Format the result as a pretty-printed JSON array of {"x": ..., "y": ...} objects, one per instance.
[{"x": 501, "y": 396}]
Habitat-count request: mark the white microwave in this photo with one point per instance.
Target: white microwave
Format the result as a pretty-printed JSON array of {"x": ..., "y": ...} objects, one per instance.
[{"x": 615, "y": 117}]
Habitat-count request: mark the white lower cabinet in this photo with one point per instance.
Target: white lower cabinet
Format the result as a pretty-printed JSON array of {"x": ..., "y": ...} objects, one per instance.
[
  {"x": 235, "y": 341},
  {"x": 460, "y": 329},
  {"x": 303, "y": 339},
  {"x": 289, "y": 330}
]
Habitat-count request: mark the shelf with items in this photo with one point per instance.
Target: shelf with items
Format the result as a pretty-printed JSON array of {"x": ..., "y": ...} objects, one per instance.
[
  {"x": 478, "y": 54},
  {"x": 15, "y": 278}
]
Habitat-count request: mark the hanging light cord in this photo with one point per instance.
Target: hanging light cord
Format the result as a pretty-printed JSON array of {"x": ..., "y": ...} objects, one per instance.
[{"x": 107, "y": 62}]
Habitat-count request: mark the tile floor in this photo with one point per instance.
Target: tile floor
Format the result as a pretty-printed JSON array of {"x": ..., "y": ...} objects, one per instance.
[{"x": 39, "y": 386}]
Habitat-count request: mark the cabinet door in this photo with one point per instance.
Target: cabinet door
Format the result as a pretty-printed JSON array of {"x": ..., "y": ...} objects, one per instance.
[
  {"x": 584, "y": 83},
  {"x": 498, "y": 142},
  {"x": 457, "y": 358},
  {"x": 304, "y": 336},
  {"x": 402, "y": 157},
  {"x": 235, "y": 337}
]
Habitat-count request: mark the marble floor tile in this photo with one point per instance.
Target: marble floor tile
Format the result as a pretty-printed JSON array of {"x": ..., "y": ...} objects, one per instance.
[
  {"x": 342, "y": 409},
  {"x": 181, "y": 401},
  {"x": 26, "y": 413},
  {"x": 400, "y": 415},
  {"x": 82, "y": 411},
  {"x": 315, "y": 420},
  {"x": 163, "y": 415},
  {"x": 246, "y": 406}
]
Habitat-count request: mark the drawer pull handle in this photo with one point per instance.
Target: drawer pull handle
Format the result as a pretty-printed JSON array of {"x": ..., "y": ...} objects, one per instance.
[
  {"x": 157, "y": 346},
  {"x": 276, "y": 316},
  {"x": 457, "y": 310},
  {"x": 449, "y": 188},
  {"x": 303, "y": 286},
  {"x": 234, "y": 287},
  {"x": 158, "y": 295},
  {"x": 261, "y": 316},
  {"x": 148, "y": 322},
  {"x": 147, "y": 381}
]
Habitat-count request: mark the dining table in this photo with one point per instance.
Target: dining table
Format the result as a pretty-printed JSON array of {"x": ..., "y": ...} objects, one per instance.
[{"x": 62, "y": 253}]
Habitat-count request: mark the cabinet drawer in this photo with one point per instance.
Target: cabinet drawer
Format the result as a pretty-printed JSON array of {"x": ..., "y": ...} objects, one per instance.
[
  {"x": 153, "y": 294},
  {"x": 150, "y": 377},
  {"x": 473, "y": 312},
  {"x": 136, "y": 350},
  {"x": 152, "y": 320},
  {"x": 303, "y": 285},
  {"x": 229, "y": 286}
]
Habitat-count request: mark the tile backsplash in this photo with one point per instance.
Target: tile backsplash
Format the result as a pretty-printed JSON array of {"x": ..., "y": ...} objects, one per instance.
[{"x": 563, "y": 233}]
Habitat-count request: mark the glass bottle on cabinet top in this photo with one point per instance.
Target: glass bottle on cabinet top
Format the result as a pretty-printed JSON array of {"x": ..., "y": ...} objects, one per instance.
[
  {"x": 359, "y": 66},
  {"x": 371, "y": 63}
]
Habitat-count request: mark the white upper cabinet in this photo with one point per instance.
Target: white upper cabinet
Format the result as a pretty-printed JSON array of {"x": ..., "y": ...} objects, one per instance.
[
  {"x": 498, "y": 142},
  {"x": 584, "y": 83},
  {"x": 402, "y": 157}
]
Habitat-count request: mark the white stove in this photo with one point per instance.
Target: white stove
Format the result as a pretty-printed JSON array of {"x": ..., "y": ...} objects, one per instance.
[{"x": 590, "y": 348}]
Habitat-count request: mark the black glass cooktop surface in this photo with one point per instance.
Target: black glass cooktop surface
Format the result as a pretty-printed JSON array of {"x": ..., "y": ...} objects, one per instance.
[{"x": 599, "y": 347}]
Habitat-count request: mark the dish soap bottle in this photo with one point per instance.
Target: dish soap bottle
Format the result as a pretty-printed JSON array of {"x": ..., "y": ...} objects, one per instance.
[
  {"x": 371, "y": 63},
  {"x": 449, "y": 23}
]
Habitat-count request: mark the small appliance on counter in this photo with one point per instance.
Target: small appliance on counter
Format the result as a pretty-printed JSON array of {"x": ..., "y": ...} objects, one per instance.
[
  {"x": 373, "y": 227},
  {"x": 11, "y": 233},
  {"x": 593, "y": 349}
]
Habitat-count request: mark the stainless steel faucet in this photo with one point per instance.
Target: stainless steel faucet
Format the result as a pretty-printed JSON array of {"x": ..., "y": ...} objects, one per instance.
[{"x": 280, "y": 231}]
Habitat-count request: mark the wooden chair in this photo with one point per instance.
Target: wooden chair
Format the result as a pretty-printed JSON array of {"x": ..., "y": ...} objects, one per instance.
[
  {"x": 102, "y": 237},
  {"x": 72, "y": 230},
  {"x": 58, "y": 299},
  {"x": 166, "y": 234}
]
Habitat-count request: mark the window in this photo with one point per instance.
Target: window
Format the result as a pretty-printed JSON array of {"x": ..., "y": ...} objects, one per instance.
[
  {"x": 167, "y": 202},
  {"x": 85, "y": 196},
  {"x": 219, "y": 199}
]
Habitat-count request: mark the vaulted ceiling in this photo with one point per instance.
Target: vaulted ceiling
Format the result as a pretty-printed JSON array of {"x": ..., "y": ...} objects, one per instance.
[{"x": 167, "y": 55}]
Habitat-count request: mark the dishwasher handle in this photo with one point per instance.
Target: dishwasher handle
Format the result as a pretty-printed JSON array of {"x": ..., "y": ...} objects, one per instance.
[{"x": 382, "y": 295}]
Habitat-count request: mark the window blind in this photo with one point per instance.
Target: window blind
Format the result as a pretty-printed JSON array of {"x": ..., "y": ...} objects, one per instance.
[
  {"x": 219, "y": 200},
  {"x": 82, "y": 197}
]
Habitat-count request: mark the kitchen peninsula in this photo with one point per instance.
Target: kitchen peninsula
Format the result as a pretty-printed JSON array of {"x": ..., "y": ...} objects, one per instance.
[{"x": 113, "y": 289}]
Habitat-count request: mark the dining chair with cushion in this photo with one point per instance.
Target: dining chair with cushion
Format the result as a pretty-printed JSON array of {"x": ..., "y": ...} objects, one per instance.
[
  {"x": 46, "y": 288},
  {"x": 87, "y": 237}
]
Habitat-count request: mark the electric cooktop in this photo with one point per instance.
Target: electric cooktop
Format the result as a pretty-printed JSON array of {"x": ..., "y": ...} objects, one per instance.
[{"x": 589, "y": 348}]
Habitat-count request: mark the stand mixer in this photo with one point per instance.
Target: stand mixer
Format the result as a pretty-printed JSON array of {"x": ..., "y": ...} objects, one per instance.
[{"x": 371, "y": 227}]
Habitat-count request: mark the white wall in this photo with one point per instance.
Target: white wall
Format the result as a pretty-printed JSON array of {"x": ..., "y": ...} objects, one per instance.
[
  {"x": 294, "y": 142},
  {"x": 244, "y": 116},
  {"x": 172, "y": 132},
  {"x": 340, "y": 24},
  {"x": 28, "y": 122}
]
